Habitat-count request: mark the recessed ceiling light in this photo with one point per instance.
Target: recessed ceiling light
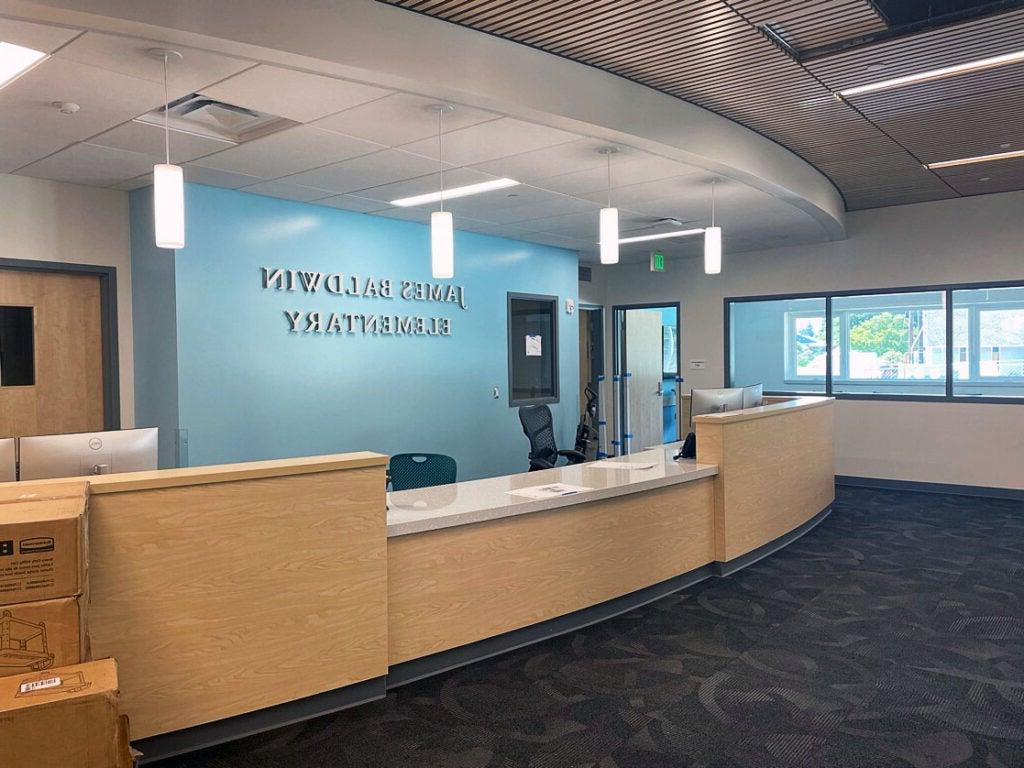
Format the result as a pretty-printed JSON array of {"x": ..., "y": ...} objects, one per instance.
[
  {"x": 662, "y": 236},
  {"x": 936, "y": 74},
  {"x": 978, "y": 159},
  {"x": 15, "y": 61},
  {"x": 454, "y": 192}
]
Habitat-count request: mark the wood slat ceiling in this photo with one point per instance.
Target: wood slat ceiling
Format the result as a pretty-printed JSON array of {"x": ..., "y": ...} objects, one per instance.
[{"x": 714, "y": 53}]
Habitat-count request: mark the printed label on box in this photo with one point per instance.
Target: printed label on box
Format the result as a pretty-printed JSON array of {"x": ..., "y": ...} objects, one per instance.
[{"x": 38, "y": 685}]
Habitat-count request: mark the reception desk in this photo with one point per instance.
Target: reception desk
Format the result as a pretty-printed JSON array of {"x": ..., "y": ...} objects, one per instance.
[{"x": 240, "y": 597}]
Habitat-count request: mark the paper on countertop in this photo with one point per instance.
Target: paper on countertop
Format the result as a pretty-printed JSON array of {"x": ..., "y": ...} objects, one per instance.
[
  {"x": 608, "y": 464},
  {"x": 550, "y": 491}
]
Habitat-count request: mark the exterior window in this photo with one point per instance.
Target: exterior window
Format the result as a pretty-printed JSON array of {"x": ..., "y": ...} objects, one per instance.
[
  {"x": 891, "y": 344},
  {"x": 780, "y": 344},
  {"x": 990, "y": 324},
  {"x": 532, "y": 349}
]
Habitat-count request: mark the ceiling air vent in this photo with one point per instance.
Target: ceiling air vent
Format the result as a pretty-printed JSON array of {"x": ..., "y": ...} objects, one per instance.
[{"x": 202, "y": 116}]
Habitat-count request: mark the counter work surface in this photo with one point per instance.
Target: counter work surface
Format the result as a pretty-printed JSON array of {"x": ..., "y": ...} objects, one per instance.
[{"x": 474, "y": 501}]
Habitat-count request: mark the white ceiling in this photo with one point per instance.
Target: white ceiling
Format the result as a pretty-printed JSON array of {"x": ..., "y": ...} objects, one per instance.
[{"x": 356, "y": 147}]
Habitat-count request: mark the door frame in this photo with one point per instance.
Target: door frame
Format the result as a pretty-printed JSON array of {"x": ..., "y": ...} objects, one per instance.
[
  {"x": 619, "y": 353},
  {"x": 108, "y": 324}
]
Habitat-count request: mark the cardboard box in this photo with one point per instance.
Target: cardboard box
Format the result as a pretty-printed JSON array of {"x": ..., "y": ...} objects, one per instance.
[
  {"x": 64, "y": 717},
  {"x": 38, "y": 636},
  {"x": 42, "y": 550},
  {"x": 43, "y": 490}
]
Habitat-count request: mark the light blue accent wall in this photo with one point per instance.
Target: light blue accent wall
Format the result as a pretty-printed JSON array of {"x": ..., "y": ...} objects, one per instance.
[
  {"x": 154, "y": 326},
  {"x": 250, "y": 389}
]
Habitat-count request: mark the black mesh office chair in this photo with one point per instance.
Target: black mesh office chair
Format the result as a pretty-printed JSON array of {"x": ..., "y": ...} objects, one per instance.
[
  {"x": 420, "y": 470},
  {"x": 537, "y": 425}
]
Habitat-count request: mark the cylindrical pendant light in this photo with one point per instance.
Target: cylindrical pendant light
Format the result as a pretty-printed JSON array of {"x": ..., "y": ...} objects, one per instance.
[
  {"x": 609, "y": 222},
  {"x": 442, "y": 226},
  {"x": 713, "y": 242},
  {"x": 442, "y": 245},
  {"x": 609, "y": 235},
  {"x": 168, "y": 180}
]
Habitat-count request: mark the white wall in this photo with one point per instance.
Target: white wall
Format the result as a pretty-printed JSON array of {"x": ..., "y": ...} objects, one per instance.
[
  {"x": 50, "y": 221},
  {"x": 953, "y": 241}
]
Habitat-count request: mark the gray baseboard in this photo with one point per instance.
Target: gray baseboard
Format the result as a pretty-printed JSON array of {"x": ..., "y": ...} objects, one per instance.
[{"x": 886, "y": 484}]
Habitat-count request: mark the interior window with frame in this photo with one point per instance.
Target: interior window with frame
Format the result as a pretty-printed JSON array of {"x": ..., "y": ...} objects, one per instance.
[{"x": 532, "y": 349}]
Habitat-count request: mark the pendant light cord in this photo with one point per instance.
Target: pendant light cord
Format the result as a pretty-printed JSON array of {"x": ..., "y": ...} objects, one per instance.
[
  {"x": 440, "y": 152},
  {"x": 713, "y": 183},
  {"x": 609, "y": 158},
  {"x": 167, "y": 105}
]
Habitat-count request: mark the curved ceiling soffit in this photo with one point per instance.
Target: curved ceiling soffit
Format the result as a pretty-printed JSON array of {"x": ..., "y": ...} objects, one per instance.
[{"x": 378, "y": 44}]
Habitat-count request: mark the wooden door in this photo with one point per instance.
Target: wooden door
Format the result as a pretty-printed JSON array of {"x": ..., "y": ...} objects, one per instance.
[
  {"x": 67, "y": 392},
  {"x": 644, "y": 362}
]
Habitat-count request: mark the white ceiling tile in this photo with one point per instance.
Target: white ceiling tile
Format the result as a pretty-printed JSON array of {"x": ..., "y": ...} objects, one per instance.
[
  {"x": 556, "y": 160},
  {"x": 352, "y": 203},
  {"x": 284, "y": 190},
  {"x": 524, "y": 206},
  {"x": 288, "y": 93},
  {"x": 287, "y": 152},
  {"x": 146, "y": 180},
  {"x": 430, "y": 182},
  {"x": 558, "y": 241},
  {"x": 128, "y": 56},
  {"x": 421, "y": 215},
  {"x": 90, "y": 164},
  {"x": 367, "y": 171},
  {"x": 626, "y": 196},
  {"x": 212, "y": 177},
  {"x": 490, "y": 140},
  {"x": 32, "y": 127},
  {"x": 401, "y": 118},
  {"x": 149, "y": 140},
  {"x": 628, "y": 167},
  {"x": 38, "y": 37}
]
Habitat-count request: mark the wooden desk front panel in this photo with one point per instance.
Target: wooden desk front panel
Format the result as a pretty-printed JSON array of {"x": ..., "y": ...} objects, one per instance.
[
  {"x": 225, "y": 598},
  {"x": 458, "y": 585},
  {"x": 774, "y": 474}
]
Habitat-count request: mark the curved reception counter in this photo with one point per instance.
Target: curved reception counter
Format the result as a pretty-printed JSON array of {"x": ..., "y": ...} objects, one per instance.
[{"x": 241, "y": 597}]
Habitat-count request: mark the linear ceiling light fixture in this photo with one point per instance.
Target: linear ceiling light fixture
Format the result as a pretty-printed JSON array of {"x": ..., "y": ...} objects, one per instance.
[
  {"x": 978, "y": 159},
  {"x": 713, "y": 241},
  {"x": 442, "y": 228},
  {"x": 935, "y": 74},
  {"x": 168, "y": 179},
  {"x": 455, "y": 192},
  {"x": 16, "y": 60},
  {"x": 662, "y": 236},
  {"x": 609, "y": 222}
]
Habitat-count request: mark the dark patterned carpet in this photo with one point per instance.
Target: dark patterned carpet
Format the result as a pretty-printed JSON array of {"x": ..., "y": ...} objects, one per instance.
[{"x": 892, "y": 635}]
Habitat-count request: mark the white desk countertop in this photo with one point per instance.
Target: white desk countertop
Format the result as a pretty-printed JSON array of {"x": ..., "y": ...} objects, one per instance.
[{"x": 476, "y": 501}]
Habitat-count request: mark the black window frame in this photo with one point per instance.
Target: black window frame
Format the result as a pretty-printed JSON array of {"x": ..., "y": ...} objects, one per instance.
[
  {"x": 947, "y": 289},
  {"x": 555, "y": 359}
]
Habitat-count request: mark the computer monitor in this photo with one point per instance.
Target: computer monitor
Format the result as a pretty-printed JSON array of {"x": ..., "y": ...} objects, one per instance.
[
  {"x": 753, "y": 396},
  {"x": 8, "y": 460},
  {"x": 87, "y": 453},
  {"x": 715, "y": 401}
]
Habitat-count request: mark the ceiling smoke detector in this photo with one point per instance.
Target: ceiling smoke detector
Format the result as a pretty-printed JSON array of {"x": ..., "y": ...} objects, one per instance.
[
  {"x": 66, "y": 107},
  {"x": 203, "y": 116}
]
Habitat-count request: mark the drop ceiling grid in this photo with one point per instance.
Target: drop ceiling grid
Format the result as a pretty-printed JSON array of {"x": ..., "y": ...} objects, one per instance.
[{"x": 711, "y": 52}]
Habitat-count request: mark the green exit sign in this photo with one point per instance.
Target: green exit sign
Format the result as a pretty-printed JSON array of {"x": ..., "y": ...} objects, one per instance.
[{"x": 657, "y": 261}]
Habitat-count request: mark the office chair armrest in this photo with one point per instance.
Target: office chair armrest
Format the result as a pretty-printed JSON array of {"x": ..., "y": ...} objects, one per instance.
[
  {"x": 539, "y": 463},
  {"x": 573, "y": 457}
]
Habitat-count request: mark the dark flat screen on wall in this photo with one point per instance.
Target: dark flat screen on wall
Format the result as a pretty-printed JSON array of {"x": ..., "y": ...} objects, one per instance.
[{"x": 17, "y": 347}]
